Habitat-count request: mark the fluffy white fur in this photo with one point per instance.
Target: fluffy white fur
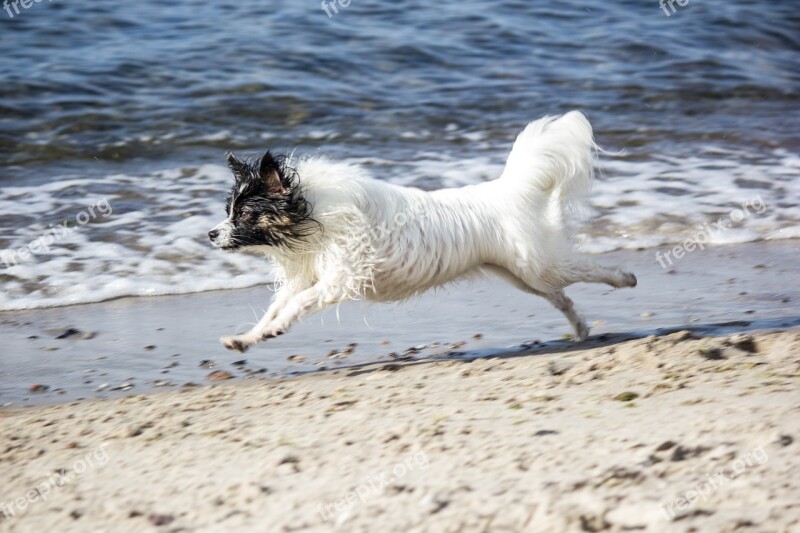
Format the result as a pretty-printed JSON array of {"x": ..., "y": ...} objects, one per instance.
[{"x": 384, "y": 242}]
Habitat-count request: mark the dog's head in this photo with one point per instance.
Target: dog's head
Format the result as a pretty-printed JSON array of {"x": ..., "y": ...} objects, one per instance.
[{"x": 265, "y": 208}]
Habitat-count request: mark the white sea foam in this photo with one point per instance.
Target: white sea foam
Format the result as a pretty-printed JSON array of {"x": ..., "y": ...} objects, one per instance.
[{"x": 155, "y": 241}]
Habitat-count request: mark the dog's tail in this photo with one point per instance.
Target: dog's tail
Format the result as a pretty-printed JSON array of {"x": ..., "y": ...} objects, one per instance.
[{"x": 555, "y": 157}]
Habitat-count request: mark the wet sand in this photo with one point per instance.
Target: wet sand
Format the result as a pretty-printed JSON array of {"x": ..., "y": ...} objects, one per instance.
[{"x": 137, "y": 345}]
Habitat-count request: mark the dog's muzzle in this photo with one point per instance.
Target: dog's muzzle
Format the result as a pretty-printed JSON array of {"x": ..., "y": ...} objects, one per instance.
[{"x": 220, "y": 235}]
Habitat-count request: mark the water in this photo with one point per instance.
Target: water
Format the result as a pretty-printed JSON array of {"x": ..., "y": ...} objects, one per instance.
[{"x": 132, "y": 106}]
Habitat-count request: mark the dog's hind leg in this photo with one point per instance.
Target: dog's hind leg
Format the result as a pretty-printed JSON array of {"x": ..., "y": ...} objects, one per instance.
[
  {"x": 558, "y": 299},
  {"x": 590, "y": 272},
  {"x": 564, "y": 304}
]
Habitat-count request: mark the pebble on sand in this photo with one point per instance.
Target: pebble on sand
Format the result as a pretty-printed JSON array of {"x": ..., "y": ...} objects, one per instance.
[
  {"x": 626, "y": 396},
  {"x": 76, "y": 333},
  {"x": 219, "y": 375}
]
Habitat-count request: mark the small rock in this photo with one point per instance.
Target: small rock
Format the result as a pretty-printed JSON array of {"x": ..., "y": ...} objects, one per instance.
[
  {"x": 666, "y": 445},
  {"x": 477, "y": 336},
  {"x": 785, "y": 440},
  {"x": 160, "y": 519},
  {"x": 627, "y": 396},
  {"x": 710, "y": 352},
  {"x": 296, "y": 358},
  {"x": 681, "y": 453},
  {"x": 744, "y": 342},
  {"x": 647, "y": 314},
  {"x": 150, "y": 347},
  {"x": 205, "y": 363},
  {"x": 101, "y": 388},
  {"x": 219, "y": 375},
  {"x": 242, "y": 362},
  {"x": 74, "y": 332},
  {"x": 37, "y": 387}
]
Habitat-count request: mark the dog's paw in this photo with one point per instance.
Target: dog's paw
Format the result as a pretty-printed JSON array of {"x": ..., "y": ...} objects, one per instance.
[
  {"x": 630, "y": 279},
  {"x": 235, "y": 343},
  {"x": 581, "y": 332}
]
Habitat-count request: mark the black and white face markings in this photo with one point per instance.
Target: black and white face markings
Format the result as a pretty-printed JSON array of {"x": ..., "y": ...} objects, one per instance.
[{"x": 265, "y": 207}]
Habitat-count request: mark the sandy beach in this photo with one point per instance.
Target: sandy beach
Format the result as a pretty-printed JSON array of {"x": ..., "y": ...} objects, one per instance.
[
  {"x": 680, "y": 413},
  {"x": 133, "y": 156},
  {"x": 679, "y": 432}
]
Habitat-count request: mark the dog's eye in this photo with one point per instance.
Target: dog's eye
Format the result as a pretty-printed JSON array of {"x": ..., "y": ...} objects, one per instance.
[{"x": 245, "y": 214}]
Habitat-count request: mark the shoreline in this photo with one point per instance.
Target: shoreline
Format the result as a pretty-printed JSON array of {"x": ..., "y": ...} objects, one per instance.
[
  {"x": 139, "y": 345},
  {"x": 657, "y": 250}
]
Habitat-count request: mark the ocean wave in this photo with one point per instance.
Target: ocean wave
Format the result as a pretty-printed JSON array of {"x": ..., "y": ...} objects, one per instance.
[{"x": 154, "y": 240}]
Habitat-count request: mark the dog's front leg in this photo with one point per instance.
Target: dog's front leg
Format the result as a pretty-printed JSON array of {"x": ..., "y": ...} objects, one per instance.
[
  {"x": 242, "y": 342},
  {"x": 295, "y": 308}
]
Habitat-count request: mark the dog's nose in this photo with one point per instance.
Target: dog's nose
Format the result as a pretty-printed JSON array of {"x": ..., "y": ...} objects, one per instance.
[{"x": 213, "y": 234}]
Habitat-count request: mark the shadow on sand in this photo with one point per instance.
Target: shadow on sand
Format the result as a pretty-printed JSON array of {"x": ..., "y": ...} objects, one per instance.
[{"x": 567, "y": 346}]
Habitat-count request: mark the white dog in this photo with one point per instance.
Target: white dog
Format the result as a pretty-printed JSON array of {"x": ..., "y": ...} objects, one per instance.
[{"x": 336, "y": 234}]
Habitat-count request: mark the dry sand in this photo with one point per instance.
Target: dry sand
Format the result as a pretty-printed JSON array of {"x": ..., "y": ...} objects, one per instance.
[{"x": 669, "y": 433}]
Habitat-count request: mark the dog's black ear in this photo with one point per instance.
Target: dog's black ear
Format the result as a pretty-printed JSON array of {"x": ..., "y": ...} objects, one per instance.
[
  {"x": 270, "y": 171},
  {"x": 238, "y": 167}
]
